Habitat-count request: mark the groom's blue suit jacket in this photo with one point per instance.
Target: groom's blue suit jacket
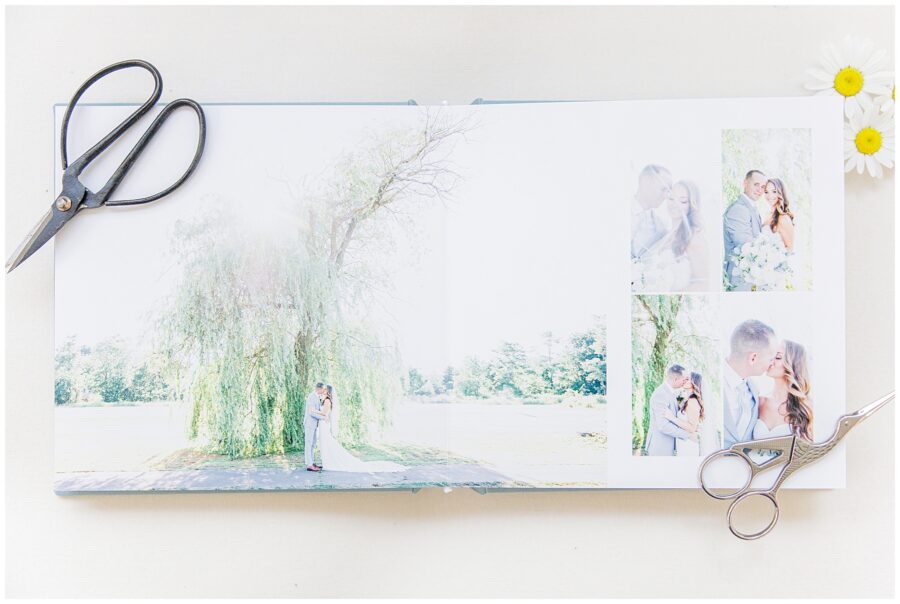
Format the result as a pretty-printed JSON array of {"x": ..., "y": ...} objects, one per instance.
[
  {"x": 662, "y": 433},
  {"x": 741, "y": 224}
]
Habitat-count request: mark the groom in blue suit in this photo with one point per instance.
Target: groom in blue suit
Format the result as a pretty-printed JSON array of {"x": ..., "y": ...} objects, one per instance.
[
  {"x": 649, "y": 223},
  {"x": 742, "y": 222},
  {"x": 662, "y": 433},
  {"x": 753, "y": 348}
]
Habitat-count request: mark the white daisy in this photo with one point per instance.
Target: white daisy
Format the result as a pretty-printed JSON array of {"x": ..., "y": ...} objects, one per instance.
[
  {"x": 869, "y": 141},
  {"x": 853, "y": 71},
  {"x": 885, "y": 102}
]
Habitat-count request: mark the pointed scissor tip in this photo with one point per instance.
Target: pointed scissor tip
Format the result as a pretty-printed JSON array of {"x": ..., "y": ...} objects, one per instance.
[
  {"x": 875, "y": 405},
  {"x": 14, "y": 261},
  {"x": 17, "y": 258},
  {"x": 43, "y": 231}
]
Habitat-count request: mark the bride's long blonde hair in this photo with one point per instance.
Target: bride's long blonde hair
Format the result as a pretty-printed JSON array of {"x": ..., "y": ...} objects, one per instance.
[
  {"x": 798, "y": 412},
  {"x": 690, "y": 223},
  {"x": 696, "y": 394},
  {"x": 783, "y": 207}
]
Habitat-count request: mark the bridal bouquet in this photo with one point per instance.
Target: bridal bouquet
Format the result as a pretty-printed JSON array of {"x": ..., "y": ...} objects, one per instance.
[
  {"x": 652, "y": 274},
  {"x": 763, "y": 264},
  {"x": 645, "y": 275}
]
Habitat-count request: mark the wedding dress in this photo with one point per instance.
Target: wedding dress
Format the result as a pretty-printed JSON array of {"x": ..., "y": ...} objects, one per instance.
[
  {"x": 710, "y": 442},
  {"x": 683, "y": 446},
  {"x": 768, "y": 232},
  {"x": 335, "y": 458},
  {"x": 760, "y": 431},
  {"x": 679, "y": 270},
  {"x": 664, "y": 272}
]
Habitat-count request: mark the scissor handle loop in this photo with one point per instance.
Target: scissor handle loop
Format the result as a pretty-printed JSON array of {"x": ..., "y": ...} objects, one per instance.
[
  {"x": 770, "y": 495},
  {"x": 88, "y": 156},
  {"x": 102, "y": 196},
  {"x": 727, "y": 453}
]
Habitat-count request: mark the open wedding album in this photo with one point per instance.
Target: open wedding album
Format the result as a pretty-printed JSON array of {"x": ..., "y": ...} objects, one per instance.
[{"x": 500, "y": 296}]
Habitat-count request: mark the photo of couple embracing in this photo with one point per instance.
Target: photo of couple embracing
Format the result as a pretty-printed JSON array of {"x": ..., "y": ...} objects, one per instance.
[
  {"x": 321, "y": 424},
  {"x": 669, "y": 251},
  {"x": 767, "y": 389},
  {"x": 766, "y": 222},
  {"x": 676, "y": 379},
  {"x": 759, "y": 249},
  {"x": 677, "y": 414}
]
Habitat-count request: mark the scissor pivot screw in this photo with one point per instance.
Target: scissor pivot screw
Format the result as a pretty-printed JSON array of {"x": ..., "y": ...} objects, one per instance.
[{"x": 63, "y": 203}]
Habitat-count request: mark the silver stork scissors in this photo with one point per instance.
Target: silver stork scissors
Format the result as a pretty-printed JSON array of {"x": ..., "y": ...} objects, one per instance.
[
  {"x": 793, "y": 452},
  {"x": 75, "y": 197}
]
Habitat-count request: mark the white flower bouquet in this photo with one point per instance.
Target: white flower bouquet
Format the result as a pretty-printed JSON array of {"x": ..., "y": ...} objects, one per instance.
[
  {"x": 763, "y": 264},
  {"x": 646, "y": 275}
]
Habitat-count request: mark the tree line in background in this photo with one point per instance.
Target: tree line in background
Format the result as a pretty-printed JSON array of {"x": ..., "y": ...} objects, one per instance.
[
  {"x": 575, "y": 365},
  {"x": 102, "y": 373}
]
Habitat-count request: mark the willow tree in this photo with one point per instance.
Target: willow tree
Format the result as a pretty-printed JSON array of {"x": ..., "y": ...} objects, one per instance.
[
  {"x": 679, "y": 329},
  {"x": 660, "y": 313},
  {"x": 255, "y": 321}
]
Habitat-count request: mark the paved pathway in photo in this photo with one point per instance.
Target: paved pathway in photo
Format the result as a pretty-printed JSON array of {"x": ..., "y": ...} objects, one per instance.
[
  {"x": 220, "y": 479},
  {"x": 508, "y": 446}
]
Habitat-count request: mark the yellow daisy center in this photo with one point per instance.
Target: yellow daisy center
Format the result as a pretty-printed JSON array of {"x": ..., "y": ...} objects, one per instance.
[
  {"x": 868, "y": 141},
  {"x": 848, "y": 81}
]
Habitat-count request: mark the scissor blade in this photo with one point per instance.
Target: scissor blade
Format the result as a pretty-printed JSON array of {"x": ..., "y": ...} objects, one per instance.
[
  {"x": 40, "y": 234},
  {"x": 874, "y": 406}
]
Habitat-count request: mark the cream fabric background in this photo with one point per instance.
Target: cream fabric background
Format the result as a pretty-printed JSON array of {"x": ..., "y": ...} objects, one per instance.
[{"x": 459, "y": 544}]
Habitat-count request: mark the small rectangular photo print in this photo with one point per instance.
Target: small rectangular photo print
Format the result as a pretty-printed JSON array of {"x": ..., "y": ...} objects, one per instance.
[
  {"x": 767, "y": 371},
  {"x": 672, "y": 247},
  {"x": 676, "y": 405},
  {"x": 767, "y": 220}
]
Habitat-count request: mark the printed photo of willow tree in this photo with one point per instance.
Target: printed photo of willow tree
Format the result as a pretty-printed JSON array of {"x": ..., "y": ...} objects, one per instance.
[
  {"x": 316, "y": 332},
  {"x": 676, "y": 375},
  {"x": 257, "y": 322}
]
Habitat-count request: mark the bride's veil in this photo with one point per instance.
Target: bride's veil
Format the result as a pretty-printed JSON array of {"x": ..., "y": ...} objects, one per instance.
[{"x": 335, "y": 412}]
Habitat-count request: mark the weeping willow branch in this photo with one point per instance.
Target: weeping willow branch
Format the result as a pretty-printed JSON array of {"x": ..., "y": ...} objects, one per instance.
[{"x": 256, "y": 321}]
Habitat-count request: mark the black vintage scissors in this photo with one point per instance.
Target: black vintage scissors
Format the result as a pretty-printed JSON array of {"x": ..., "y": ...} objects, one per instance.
[
  {"x": 791, "y": 453},
  {"x": 75, "y": 196}
]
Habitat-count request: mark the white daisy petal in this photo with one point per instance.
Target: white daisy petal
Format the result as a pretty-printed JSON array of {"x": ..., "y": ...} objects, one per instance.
[
  {"x": 874, "y": 167},
  {"x": 873, "y": 62},
  {"x": 865, "y": 101},
  {"x": 883, "y": 157},
  {"x": 821, "y": 75},
  {"x": 819, "y": 86},
  {"x": 830, "y": 52}
]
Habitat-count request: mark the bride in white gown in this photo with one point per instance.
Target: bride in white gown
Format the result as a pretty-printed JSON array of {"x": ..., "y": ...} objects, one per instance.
[
  {"x": 786, "y": 409},
  {"x": 679, "y": 261},
  {"x": 690, "y": 418},
  {"x": 778, "y": 225},
  {"x": 780, "y": 219},
  {"x": 335, "y": 458}
]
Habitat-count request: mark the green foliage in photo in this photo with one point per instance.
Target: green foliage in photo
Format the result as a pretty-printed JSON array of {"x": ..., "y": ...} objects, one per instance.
[
  {"x": 258, "y": 318},
  {"x": 669, "y": 329},
  {"x": 574, "y": 366}
]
